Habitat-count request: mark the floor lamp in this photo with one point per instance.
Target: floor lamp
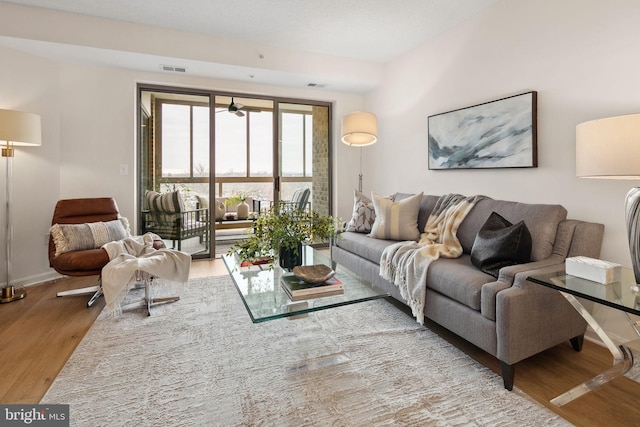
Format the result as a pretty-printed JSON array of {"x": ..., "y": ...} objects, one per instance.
[
  {"x": 610, "y": 149},
  {"x": 359, "y": 129},
  {"x": 16, "y": 129}
]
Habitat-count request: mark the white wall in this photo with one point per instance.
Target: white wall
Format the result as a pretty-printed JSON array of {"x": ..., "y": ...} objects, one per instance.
[
  {"x": 88, "y": 108},
  {"x": 581, "y": 58},
  {"x": 30, "y": 84},
  {"x": 88, "y": 121}
]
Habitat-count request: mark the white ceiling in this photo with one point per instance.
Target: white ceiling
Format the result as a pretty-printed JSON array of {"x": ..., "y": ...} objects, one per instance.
[{"x": 369, "y": 30}]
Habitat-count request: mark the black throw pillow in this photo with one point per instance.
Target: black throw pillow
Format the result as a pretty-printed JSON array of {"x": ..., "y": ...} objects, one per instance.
[{"x": 499, "y": 244}]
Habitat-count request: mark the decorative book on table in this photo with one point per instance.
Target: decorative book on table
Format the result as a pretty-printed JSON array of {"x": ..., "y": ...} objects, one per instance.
[{"x": 298, "y": 289}]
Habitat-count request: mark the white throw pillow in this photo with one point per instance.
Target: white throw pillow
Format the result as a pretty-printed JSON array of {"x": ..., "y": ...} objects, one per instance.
[{"x": 396, "y": 220}]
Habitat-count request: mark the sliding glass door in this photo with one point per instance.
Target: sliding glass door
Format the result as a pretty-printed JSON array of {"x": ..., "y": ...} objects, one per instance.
[
  {"x": 304, "y": 152},
  {"x": 175, "y": 158},
  {"x": 219, "y": 152}
]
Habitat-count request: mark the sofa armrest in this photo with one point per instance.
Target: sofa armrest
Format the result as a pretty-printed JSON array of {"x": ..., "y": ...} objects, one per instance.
[
  {"x": 508, "y": 274},
  {"x": 531, "y": 318},
  {"x": 506, "y": 279},
  {"x": 574, "y": 237}
]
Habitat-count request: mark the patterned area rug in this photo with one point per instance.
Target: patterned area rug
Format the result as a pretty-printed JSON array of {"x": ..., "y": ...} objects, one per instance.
[{"x": 201, "y": 361}]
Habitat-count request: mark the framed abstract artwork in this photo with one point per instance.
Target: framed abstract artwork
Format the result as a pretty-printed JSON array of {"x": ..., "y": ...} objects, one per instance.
[{"x": 496, "y": 134}]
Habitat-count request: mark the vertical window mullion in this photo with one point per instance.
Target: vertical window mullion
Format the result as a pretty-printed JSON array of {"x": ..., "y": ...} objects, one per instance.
[
  {"x": 248, "y": 122},
  {"x": 191, "y": 160},
  {"x": 304, "y": 145}
]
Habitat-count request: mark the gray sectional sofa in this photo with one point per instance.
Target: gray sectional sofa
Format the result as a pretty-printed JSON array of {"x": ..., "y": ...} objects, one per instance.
[{"x": 507, "y": 316}]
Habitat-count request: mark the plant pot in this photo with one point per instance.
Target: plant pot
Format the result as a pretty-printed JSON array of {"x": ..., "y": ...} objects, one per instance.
[
  {"x": 242, "y": 210},
  {"x": 289, "y": 258}
]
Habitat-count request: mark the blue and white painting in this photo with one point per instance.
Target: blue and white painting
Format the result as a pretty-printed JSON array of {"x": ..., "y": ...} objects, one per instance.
[{"x": 496, "y": 134}]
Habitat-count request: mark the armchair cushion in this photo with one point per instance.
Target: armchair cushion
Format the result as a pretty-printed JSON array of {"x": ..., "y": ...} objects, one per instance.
[
  {"x": 76, "y": 263},
  {"x": 165, "y": 203},
  {"x": 78, "y": 237}
]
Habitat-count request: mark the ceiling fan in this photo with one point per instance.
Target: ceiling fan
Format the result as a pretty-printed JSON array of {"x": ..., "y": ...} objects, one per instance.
[{"x": 236, "y": 108}]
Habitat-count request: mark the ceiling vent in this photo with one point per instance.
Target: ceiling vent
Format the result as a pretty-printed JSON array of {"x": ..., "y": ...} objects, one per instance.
[
  {"x": 173, "y": 68},
  {"x": 318, "y": 85}
]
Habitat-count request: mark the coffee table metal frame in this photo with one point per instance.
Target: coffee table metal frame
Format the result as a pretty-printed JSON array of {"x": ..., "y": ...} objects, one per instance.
[{"x": 262, "y": 294}]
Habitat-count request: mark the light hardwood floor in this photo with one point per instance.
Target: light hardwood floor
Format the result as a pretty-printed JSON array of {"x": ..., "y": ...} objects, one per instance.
[{"x": 39, "y": 333}]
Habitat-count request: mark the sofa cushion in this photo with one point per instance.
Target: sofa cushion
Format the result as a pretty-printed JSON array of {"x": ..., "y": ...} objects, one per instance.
[
  {"x": 363, "y": 245},
  {"x": 499, "y": 244},
  {"x": 363, "y": 214},
  {"x": 396, "y": 220},
  {"x": 427, "y": 204},
  {"x": 542, "y": 222},
  {"x": 458, "y": 279}
]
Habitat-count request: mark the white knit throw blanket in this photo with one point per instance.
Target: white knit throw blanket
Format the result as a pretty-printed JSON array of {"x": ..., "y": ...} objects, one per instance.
[
  {"x": 405, "y": 264},
  {"x": 137, "y": 254}
]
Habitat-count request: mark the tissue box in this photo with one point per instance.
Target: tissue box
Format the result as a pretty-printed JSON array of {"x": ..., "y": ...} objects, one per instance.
[{"x": 593, "y": 269}]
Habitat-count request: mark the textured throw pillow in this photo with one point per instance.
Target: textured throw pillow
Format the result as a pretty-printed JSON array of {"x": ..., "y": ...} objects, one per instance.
[
  {"x": 499, "y": 244},
  {"x": 396, "y": 220},
  {"x": 166, "y": 203},
  {"x": 91, "y": 235},
  {"x": 363, "y": 214}
]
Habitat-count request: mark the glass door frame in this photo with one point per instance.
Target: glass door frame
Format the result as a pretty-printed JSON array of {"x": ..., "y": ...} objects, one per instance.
[{"x": 213, "y": 190}]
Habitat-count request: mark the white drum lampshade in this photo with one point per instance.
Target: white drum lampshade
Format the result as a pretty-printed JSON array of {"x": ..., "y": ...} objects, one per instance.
[
  {"x": 609, "y": 148},
  {"x": 19, "y": 129},
  {"x": 359, "y": 128}
]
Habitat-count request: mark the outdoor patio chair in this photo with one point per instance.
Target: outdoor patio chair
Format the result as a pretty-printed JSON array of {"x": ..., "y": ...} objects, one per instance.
[{"x": 167, "y": 217}]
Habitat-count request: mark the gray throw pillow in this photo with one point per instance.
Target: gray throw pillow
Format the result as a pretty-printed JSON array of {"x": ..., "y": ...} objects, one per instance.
[
  {"x": 91, "y": 235},
  {"x": 499, "y": 244}
]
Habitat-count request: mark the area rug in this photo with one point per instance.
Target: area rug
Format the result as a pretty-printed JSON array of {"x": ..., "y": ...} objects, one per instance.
[{"x": 201, "y": 361}]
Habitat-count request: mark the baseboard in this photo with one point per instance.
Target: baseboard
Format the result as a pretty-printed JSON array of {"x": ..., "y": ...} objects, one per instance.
[
  {"x": 35, "y": 280},
  {"x": 591, "y": 336}
]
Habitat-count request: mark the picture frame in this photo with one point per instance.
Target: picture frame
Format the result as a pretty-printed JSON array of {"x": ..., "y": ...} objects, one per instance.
[{"x": 494, "y": 134}]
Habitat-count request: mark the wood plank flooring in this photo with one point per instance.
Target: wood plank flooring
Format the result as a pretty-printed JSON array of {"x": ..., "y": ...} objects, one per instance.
[{"x": 39, "y": 333}]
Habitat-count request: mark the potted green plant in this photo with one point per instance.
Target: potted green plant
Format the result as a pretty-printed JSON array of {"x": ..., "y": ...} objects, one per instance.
[{"x": 280, "y": 231}]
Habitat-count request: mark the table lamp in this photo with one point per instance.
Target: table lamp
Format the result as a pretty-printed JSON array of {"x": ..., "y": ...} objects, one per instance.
[
  {"x": 609, "y": 148},
  {"x": 359, "y": 129},
  {"x": 16, "y": 129}
]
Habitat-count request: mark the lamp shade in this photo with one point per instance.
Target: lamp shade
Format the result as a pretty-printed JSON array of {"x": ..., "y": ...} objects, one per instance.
[
  {"x": 609, "y": 148},
  {"x": 18, "y": 128},
  {"x": 359, "y": 128}
]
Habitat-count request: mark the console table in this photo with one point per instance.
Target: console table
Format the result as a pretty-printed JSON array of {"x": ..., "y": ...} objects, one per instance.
[{"x": 620, "y": 296}]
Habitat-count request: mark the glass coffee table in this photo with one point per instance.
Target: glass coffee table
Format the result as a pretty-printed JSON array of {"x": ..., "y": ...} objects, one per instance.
[
  {"x": 620, "y": 296},
  {"x": 265, "y": 299}
]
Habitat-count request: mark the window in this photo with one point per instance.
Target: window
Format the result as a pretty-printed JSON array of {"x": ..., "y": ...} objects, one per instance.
[
  {"x": 184, "y": 141},
  {"x": 267, "y": 147},
  {"x": 244, "y": 147}
]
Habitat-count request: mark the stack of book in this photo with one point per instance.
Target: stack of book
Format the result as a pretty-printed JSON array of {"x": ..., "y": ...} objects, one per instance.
[{"x": 298, "y": 289}]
